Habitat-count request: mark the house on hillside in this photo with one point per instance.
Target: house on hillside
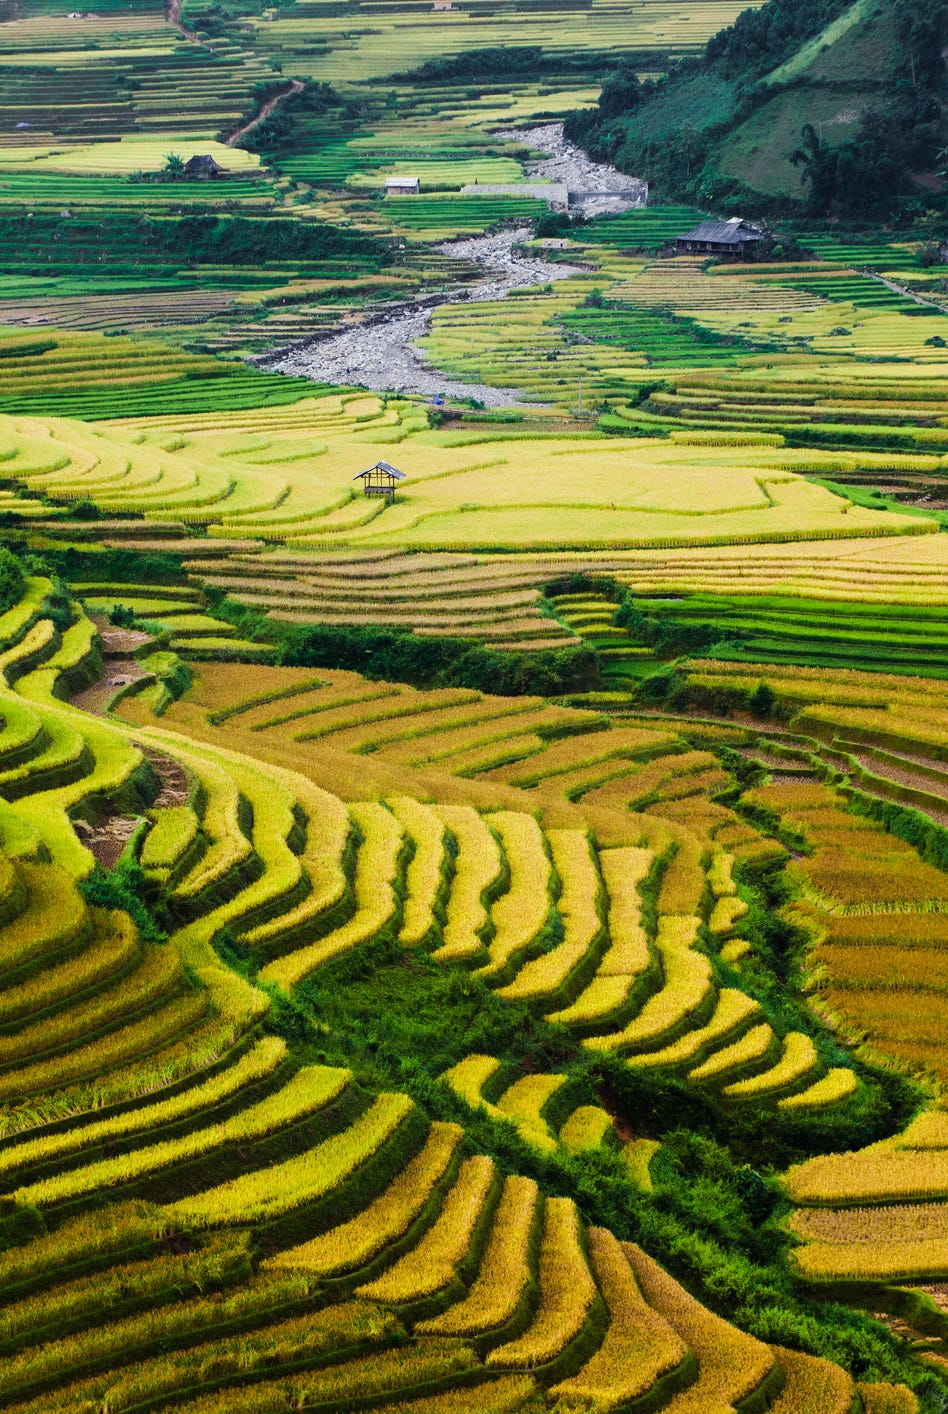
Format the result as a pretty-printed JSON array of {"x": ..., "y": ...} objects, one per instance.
[
  {"x": 402, "y": 186},
  {"x": 202, "y": 168},
  {"x": 380, "y": 480},
  {"x": 735, "y": 239}
]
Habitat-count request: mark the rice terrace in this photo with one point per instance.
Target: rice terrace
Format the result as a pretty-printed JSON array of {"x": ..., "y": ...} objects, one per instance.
[{"x": 474, "y": 707}]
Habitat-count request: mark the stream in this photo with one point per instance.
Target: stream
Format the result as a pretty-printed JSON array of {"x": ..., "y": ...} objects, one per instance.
[{"x": 380, "y": 353}]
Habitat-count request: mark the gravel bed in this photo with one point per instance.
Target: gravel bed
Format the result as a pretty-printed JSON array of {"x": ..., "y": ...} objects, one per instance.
[
  {"x": 595, "y": 189},
  {"x": 380, "y": 353}
]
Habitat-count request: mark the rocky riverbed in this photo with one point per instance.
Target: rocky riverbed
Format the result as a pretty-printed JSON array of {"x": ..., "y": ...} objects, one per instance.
[
  {"x": 380, "y": 352},
  {"x": 595, "y": 188}
]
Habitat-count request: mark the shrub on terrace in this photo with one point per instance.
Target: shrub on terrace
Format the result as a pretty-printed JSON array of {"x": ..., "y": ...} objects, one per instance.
[
  {"x": 388, "y": 653},
  {"x": 761, "y": 700},
  {"x": 128, "y": 887},
  {"x": 123, "y": 617},
  {"x": 558, "y": 223},
  {"x": 12, "y": 582},
  {"x": 83, "y": 510},
  {"x": 399, "y": 655}
]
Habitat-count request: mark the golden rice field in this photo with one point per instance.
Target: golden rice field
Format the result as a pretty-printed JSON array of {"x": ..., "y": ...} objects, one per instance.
[
  {"x": 367, "y": 1046},
  {"x": 213, "y": 1207},
  {"x": 241, "y": 475}
]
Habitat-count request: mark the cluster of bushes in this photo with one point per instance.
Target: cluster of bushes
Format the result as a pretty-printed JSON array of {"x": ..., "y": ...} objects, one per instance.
[
  {"x": 128, "y": 887},
  {"x": 669, "y": 637},
  {"x": 11, "y": 580},
  {"x": 280, "y": 132},
  {"x": 398, "y": 655},
  {"x": 504, "y": 62},
  {"x": 114, "y": 566},
  {"x": 240, "y": 240},
  {"x": 50, "y": 241}
]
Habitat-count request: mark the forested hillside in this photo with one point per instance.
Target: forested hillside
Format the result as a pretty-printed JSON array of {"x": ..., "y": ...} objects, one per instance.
[{"x": 803, "y": 106}]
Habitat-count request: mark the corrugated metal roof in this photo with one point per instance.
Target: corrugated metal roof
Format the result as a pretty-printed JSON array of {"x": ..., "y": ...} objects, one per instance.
[
  {"x": 723, "y": 232},
  {"x": 382, "y": 466}
]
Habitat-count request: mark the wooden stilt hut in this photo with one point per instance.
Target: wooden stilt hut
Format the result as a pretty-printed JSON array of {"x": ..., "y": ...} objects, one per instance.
[{"x": 380, "y": 480}]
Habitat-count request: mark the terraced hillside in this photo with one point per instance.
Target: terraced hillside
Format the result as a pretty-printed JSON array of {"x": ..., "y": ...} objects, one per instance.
[
  {"x": 204, "y": 1208},
  {"x": 544, "y": 917},
  {"x": 242, "y": 475},
  {"x": 482, "y": 949}
]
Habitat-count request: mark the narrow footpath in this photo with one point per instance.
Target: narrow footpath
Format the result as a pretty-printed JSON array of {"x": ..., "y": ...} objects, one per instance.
[{"x": 294, "y": 86}]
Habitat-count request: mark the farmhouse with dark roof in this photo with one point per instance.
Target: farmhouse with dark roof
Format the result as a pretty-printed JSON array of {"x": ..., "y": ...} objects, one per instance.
[
  {"x": 735, "y": 239},
  {"x": 202, "y": 167}
]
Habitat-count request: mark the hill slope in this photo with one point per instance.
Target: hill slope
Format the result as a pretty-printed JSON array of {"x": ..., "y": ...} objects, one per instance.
[{"x": 822, "y": 106}]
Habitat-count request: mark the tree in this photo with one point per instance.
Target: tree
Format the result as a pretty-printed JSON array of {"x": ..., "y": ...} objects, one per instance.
[
  {"x": 923, "y": 30},
  {"x": 761, "y": 700},
  {"x": 819, "y": 168},
  {"x": 174, "y": 164},
  {"x": 871, "y": 168},
  {"x": 621, "y": 93}
]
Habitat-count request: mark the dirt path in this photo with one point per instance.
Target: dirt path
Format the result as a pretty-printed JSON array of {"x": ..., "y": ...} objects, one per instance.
[
  {"x": 107, "y": 838},
  {"x": 294, "y": 87},
  {"x": 902, "y": 290},
  {"x": 173, "y": 16}
]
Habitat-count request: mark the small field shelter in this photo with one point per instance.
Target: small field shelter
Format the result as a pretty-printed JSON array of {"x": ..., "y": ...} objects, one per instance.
[{"x": 380, "y": 480}]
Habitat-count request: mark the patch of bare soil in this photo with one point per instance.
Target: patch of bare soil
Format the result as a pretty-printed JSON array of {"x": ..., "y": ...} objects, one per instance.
[
  {"x": 107, "y": 838},
  {"x": 174, "y": 782},
  {"x": 121, "y": 668},
  {"x": 904, "y": 1331},
  {"x": 118, "y": 673},
  {"x": 937, "y": 1290},
  {"x": 120, "y": 642}
]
